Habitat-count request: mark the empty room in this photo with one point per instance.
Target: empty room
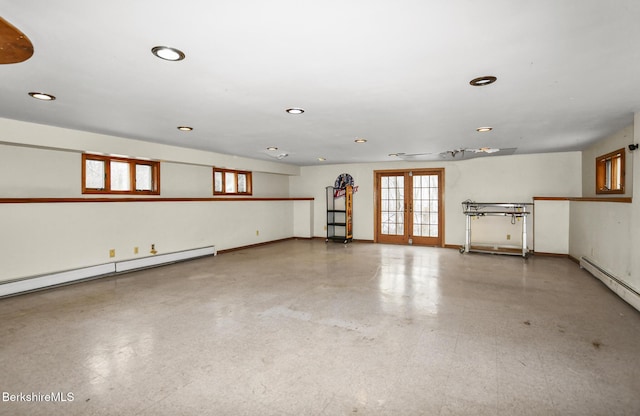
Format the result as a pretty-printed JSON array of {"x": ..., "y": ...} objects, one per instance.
[{"x": 319, "y": 208}]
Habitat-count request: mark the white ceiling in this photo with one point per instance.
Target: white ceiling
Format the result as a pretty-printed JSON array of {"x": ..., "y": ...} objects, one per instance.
[{"x": 393, "y": 72}]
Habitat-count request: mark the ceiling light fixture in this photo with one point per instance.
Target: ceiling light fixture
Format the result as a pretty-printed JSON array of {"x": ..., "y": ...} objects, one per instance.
[
  {"x": 484, "y": 129},
  {"x": 394, "y": 154},
  {"x": 185, "y": 128},
  {"x": 42, "y": 96},
  {"x": 294, "y": 110},
  {"x": 482, "y": 81},
  {"x": 272, "y": 148},
  {"x": 322, "y": 159},
  {"x": 167, "y": 53},
  {"x": 360, "y": 140}
]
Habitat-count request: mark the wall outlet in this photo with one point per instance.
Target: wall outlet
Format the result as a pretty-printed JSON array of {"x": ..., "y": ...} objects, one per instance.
[
  {"x": 508, "y": 236},
  {"x": 153, "y": 249},
  {"x": 257, "y": 232},
  {"x": 135, "y": 250},
  {"x": 112, "y": 252}
]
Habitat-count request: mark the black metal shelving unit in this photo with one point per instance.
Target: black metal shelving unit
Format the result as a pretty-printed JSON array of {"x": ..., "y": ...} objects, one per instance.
[{"x": 339, "y": 214}]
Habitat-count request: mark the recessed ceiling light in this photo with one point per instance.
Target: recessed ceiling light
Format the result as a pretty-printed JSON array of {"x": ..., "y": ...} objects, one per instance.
[
  {"x": 360, "y": 140},
  {"x": 322, "y": 159},
  {"x": 484, "y": 129},
  {"x": 294, "y": 110},
  {"x": 185, "y": 128},
  {"x": 482, "y": 81},
  {"x": 167, "y": 53},
  {"x": 394, "y": 154},
  {"x": 42, "y": 96},
  {"x": 272, "y": 148}
]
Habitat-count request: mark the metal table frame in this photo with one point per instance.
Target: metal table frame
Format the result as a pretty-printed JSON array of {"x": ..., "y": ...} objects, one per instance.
[{"x": 507, "y": 209}]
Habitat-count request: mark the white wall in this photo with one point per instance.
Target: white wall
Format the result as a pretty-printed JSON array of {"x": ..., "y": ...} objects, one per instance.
[
  {"x": 30, "y": 134},
  {"x": 490, "y": 179},
  {"x": 43, "y": 238},
  {"x": 39, "y": 238},
  {"x": 178, "y": 180},
  {"x": 38, "y": 173},
  {"x": 607, "y": 232},
  {"x": 601, "y": 231},
  {"x": 303, "y": 219},
  {"x": 28, "y": 172},
  {"x": 551, "y": 226}
]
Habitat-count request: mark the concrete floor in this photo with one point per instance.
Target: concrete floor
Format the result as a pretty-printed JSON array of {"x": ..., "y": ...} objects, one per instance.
[{"x": 308, "y": 328}]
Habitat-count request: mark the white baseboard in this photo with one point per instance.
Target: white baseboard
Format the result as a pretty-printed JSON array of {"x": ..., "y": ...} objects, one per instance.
[
  {"x": 54, "y": 279},
  {"x": 68, "y": 276},
  {"x": 151, "y": 261},
  {"x": 619, "y": 287}
]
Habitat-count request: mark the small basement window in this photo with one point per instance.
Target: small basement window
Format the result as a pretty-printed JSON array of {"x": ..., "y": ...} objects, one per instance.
[
  {"x": 118, "y": 175},
  {"x": 231, "y": 182},
  {"x": 610, "y": 173}
]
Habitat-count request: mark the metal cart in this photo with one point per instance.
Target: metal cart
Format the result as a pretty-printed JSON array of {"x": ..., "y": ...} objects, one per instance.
[{"x": 514, "y": 210}]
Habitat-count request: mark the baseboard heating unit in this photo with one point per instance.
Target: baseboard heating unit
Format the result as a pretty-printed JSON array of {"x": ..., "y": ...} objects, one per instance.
[
  {"x": 29, "y": 284},
  {"x": 620, "y": 288}
]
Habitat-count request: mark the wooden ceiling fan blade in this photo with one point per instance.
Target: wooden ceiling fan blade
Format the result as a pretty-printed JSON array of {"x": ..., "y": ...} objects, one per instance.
[{"x": 15, "y": 46}]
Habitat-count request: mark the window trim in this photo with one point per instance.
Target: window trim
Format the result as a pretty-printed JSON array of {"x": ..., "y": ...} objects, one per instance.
[
  {"x": 155, "y": 175},
  {"x": 235, "y": 176},
  {"x": 617, "y": 157}
]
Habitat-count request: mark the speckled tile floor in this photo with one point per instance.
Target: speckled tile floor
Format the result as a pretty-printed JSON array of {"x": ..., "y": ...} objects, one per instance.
[{"x": 308, "y": 328}]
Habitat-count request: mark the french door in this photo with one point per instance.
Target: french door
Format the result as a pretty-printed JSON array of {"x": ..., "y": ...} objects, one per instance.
[{"x": 409, "y": 206}]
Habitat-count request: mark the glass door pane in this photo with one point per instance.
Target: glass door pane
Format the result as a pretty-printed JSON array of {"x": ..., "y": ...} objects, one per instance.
[
  {"x": 392, "y": 205},
  {"x": 425, "y": 205}
]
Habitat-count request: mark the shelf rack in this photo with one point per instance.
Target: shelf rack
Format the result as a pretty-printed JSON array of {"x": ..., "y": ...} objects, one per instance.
[
  {"x": 514, "y": 210},
  {"x": 340, "y": 214}
]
